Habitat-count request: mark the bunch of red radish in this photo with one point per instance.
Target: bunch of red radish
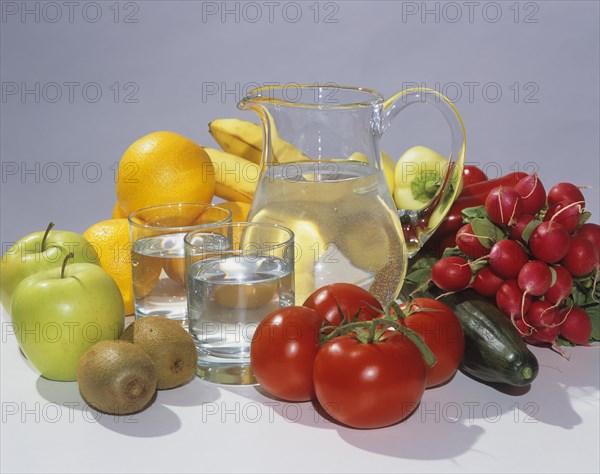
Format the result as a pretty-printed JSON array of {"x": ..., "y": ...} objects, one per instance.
[{"x": 533, "y": 246}]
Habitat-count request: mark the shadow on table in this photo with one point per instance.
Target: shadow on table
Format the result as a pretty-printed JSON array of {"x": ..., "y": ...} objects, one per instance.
[
  {"x": 548, "y": 399},
  {"x": 579, "y": 370},
  {"x": 154, "y": 421},
  {"x": 192, "y": 394},
  {"x": 403, "y": 440},
  {"x": 416, "y": 440},
  {"x": 453, "y": 416}
]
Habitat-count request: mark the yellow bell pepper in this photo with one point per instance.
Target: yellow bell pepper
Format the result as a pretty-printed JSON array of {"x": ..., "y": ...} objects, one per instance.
[{"x": 418, "y": 175}]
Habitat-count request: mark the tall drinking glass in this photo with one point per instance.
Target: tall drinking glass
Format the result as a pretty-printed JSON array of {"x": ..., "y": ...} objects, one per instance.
[
  {"x": 157, "y": 255},
  {"x": 237, "y": 274}
]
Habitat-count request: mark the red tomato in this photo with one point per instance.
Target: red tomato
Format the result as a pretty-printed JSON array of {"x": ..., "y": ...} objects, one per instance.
[
  {"x": 439, "y": 327},
  {"x": 472, "y": 174},
  {"x": 369, "y": 385},
  {"x": 351, "y": 298},
  {"x": 283, "y": 350}
]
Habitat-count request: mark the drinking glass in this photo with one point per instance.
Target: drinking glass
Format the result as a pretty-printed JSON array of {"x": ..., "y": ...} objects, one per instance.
[
  {"x": 237, "y": 274},
  {"x": 157, "y": 256}
]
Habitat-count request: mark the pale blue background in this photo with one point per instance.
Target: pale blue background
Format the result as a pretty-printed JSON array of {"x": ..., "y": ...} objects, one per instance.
[{"x": 175, "y": 53}]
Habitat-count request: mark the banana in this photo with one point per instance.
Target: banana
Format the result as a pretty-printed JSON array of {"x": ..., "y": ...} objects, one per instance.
[
  {"x": 245, "y": 139},
  {"x": 236, "y": 177},
  {"x": 238, "y": 137}
]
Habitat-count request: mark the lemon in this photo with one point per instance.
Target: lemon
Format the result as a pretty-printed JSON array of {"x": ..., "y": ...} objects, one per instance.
[
  {"x": 110, "y": 238},
  {"x": 164, "y": 167},
  {"x": 309, "y": 242}
]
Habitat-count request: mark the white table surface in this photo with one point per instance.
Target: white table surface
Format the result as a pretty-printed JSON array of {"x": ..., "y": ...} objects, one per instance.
[{"x": 463, "y": 426}]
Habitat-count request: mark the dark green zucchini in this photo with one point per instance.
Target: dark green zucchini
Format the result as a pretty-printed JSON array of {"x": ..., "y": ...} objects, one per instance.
[{"x": 494, "y": 349}]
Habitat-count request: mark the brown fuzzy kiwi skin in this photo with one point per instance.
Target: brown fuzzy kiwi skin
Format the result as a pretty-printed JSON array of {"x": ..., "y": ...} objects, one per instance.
[
  {"x": 169, "y": 345},
  {"x": 116, "y": 378}
]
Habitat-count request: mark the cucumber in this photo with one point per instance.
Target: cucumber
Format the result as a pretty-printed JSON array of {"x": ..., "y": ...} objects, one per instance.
[{"x": 494, "y": 350}]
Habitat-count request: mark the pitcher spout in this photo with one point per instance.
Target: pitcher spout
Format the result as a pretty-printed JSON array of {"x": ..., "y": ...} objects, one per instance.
[{"x": 317, "y": 121}]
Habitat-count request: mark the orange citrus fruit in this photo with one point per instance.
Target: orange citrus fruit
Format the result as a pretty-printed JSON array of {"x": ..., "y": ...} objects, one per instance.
[
  {"x": 175, "y": 269},
  {"x": 239, "y": 210},
  {"x": 164, "y": 167},
  {"x": 118, "y": 213},
  {"x": 240, "y": 295}
]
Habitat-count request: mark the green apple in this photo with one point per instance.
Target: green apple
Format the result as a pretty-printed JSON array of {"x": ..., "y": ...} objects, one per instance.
[
  {"x": 38, "y": 252},
  {"x": 60, "y": 313}
]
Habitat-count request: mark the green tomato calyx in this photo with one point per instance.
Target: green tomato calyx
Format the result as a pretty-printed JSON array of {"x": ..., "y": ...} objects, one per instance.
[{"x": 373, "y": 331}]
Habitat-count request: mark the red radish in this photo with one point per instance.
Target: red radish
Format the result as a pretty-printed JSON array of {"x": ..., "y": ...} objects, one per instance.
[
  {"x": 581, "y": 258},
  {"x": 541, "y": 314},
  {"x": 545, "y": 335},
  {"x": 562, "y": 286},
  {"x": 549, "y": 242},
  {"x": 451, "y": 273},
  {"x": 590, "y": 232},
  {"x": 562, "y": 191},
  {"x": 503, "y": 205},
  {"x": 535, "y": 278},
  {"x": 511, "y": 301},
  {"x": 559, "y": 316},
  {"x": 507, "y": 257},
  {"x": 453, "y": 220},
  {"x": 576, "y": 327},
  {"x": 522, "y": 327},
  {"x": 532, "y": 192},
  {"x": 486, "y": 282},
  {"x": 469, "y": 244},
  {"x": 516, "y": 231},
  {"x": 567, "y": 213}
]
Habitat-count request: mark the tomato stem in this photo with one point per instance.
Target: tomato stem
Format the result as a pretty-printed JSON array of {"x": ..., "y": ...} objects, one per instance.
[
  {"x": 385, "y": 323},
  {"x": 344, "y": 328},
  {"x": 415, "y": 338},
  {"x": 371, "y": 338},
  {"x": 398, "y": 313}
]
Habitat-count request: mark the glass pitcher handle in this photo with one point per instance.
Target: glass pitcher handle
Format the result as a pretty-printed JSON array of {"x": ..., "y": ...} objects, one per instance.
[{"x": 418, "y": 225}]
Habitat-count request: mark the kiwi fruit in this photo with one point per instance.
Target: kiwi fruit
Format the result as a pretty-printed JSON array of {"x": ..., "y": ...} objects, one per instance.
[
  {"x": 116, "y": 377},
  {"x": 169, "y": 345}
]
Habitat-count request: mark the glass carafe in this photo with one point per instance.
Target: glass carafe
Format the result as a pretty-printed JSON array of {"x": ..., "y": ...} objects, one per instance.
[{"x": 322, "y": 176}]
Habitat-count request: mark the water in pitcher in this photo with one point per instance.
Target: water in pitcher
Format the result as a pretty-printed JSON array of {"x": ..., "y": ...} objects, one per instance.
[{"x": 344, "y": 226}]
